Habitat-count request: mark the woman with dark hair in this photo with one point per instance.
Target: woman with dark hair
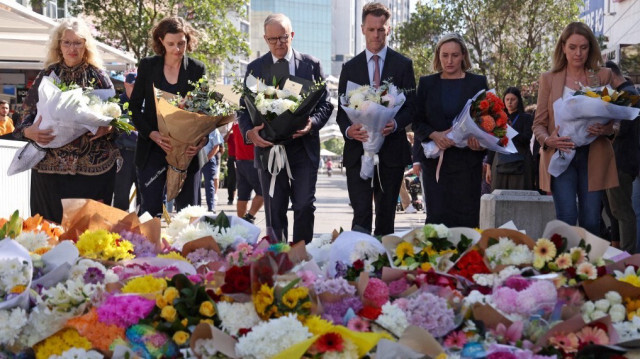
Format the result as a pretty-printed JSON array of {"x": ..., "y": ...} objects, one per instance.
[
  {"x": 454, "y": 199},
  {"x": 85, "y": 167},
  {"x": 169, "y": 71},
  {"x": 513, "y": 171},
  {"x": 576, "y": 61}
]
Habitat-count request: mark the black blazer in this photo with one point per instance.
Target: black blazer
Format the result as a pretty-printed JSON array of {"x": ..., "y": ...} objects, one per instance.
[
  {"x": 625, "y": 144},
  {"x": 307, "y": 67},
  {"x": 428, "y": 113},
  {"x": 395, "y": 152},
  {"x": 142, "y": 102},
  {"x": 522, "y": 140}
]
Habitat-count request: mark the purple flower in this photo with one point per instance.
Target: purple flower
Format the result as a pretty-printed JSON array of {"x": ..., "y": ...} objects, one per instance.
[
  {"x": 431, "y": 313},
  {"x": 142, "y": 247},
  {"x": 341, "y": 269},
  {"x": 397, "y": 287},
  {"x": 203, "y": 255},
  {"x": 335, "y": 311},
  {"x": 93, "y": 275}
]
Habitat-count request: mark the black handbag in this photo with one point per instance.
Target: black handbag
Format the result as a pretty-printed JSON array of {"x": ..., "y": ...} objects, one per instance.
[{"x": 510, "y": 164}]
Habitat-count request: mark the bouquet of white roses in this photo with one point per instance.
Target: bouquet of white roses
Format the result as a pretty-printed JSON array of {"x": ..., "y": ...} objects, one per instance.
[{"x": 373, "y": 108}]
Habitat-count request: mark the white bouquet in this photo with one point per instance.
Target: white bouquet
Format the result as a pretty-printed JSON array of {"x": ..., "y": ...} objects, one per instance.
[
  {"x": 70, "y": 114},
  {"x": 576, "y": 113},
  {"x": 16, "y": 272},
  {"x": 373, "y": 108}
]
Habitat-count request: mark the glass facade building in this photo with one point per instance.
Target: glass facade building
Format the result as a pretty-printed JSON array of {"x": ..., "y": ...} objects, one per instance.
[{"x": 311, "y": 21}]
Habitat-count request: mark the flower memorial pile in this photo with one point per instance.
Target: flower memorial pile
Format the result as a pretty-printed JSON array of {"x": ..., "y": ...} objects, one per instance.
[{"x": 212, "y": 289}]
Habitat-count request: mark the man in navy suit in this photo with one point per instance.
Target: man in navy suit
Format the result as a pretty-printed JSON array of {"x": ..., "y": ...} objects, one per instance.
[
  {"x": 376, "y": 64},
  {"x": 303, "y": 151}
]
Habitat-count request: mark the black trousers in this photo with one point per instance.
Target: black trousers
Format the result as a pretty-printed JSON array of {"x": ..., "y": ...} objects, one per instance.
[
  {"x": 230, "y": 181},
  {"x": 48, "y": 190},
  {"x": 124, "y": 179},
  {"x": 152, "y": 179}
]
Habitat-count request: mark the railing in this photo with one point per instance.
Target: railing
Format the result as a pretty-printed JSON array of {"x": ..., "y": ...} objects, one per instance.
[{"x": 14, "y": 190}]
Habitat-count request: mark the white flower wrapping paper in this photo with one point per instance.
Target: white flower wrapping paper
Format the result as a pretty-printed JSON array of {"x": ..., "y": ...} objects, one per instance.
[
  {"x": 67, "y": 113},
  {"x": 574, "y": 114},
  {"x": 373, "y": 117},
  {"x": 464, "y": 126},
  {"x": 347, "y": 248},
  {"x": 10, "y": 249}
]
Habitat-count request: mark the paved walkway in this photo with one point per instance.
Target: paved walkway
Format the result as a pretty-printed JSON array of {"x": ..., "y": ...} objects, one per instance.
[{"x": 332, "y": 208}]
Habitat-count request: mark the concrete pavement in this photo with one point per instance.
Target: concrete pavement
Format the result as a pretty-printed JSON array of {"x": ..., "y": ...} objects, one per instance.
[{"x": 332, "y": 208}]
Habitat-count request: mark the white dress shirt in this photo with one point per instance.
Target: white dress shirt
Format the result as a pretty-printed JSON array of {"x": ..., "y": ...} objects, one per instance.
[
  {"x": 371, "y": 64},
  {"x": 292, "y": 62}
]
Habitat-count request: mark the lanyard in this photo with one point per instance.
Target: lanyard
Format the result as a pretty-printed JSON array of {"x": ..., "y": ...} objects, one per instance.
[{"x": 513, "y": 123}]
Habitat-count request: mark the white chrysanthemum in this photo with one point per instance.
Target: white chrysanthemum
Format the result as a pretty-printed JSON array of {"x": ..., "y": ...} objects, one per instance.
[
  {"x": 393, "y": 319},
  {"x": 112, "y": 110},
  {"x": 364, "y": 250},
  {"x": 80, "y": 268},
  {"x": 597, "y": 314},
  {"x": 349, "y": 351},
  {"x": 319, "y": 242},
  {"x": 485, "y": 280},
  {"x": 78, "y": 353},
  {"x": 475, "y": 297},
  {"x": 13, "y": 272},
  {"x": 588, "y": 307},
  {"x": 205, "y": 348},
  {"x": 602, "y": 305},
  {"x": 236, "y": 316},
  {"x": 43, "y": 323},
  {"x": 356, "y": 100},
  {"x": 228, "y": 236},
  {"x": 266, "y": 339},
  {"x": 618, "y": 313},
  {"x": 33, "y": 240},
  {"x": 176, "y": 226},
  {"x": 13, "y": 320},
  {"x": 270, "y": 90},
  {"x": 613, "y": 297},
  {"x": 191, "y": 212},
  {"x": 191, "y": 233}
]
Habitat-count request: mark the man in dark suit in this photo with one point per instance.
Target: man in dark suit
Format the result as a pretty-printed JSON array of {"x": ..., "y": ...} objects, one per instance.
[
  {"x": 303, "y": 151},
  {"x": 376, "y": 64}
]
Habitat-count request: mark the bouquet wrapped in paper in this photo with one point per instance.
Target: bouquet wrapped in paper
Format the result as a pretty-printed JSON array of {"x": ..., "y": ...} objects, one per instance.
[
  {"x": 587, "y": 107},
  {"x": 482, "y": 117},
  {"x": 373, "y": 108},
  {"x": 185, "y": 120},
  {"x": 71, "y": 112},
  {"x": 283, "y": 108}
]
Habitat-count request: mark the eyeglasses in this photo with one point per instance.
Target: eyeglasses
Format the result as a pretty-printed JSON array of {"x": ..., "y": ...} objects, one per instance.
[
  {"x": 283, "y": 39},
  {"x": 76, "y": 44}
]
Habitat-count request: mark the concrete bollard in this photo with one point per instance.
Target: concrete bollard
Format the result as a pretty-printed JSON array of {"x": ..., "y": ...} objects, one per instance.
[{"x": 529, "y": 210}]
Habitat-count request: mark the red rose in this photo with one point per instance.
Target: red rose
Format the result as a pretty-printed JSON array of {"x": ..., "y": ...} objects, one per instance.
[
  {"x": 484, "y": 104},
  {"x": 602, "y": 270},
  {"x": 237, "y": 280},
  {"x": 371, "y": 313},
  {"x": 504, "y": 140},
  {"x": 358, "y": 265},
  {"x": 557, "y": 240},
  {"x": 570, "y": 272}
]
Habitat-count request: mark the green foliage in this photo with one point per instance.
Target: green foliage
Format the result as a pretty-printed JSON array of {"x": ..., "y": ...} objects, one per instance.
[
  {"x": 335, "y": 145},
  {"x": 509, "y": 41},
  {"x": 12, "y": 228},
  {"x": 127, "y": 25}
]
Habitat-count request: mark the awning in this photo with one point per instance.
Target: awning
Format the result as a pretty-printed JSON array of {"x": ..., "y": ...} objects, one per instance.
[{"x": 24, "y": 35}]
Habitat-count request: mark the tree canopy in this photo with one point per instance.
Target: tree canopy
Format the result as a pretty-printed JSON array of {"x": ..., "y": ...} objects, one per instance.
[
  {"x": 127, "y": 24},
  {"x": 509, "y": 41}
]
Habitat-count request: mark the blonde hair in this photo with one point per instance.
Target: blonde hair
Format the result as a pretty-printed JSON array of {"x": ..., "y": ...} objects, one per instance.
[
  {"x": 466, "y": 61},
  {"x": 594, "y": 59},
  {"x": 80, "y": 28}
]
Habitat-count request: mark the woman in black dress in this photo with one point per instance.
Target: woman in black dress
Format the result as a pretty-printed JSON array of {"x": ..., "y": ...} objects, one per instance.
[
  {"x": 85, "y": 167},
  {"x": 169, "y": 71},
  {"x": 453, "y": 200},
  {"x": 513, "y": 171}
]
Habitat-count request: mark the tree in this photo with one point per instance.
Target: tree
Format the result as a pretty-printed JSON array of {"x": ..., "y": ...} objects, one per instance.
[
  {"x": 417, "y": 37},
  {"x": 127, "y": 24},
  {"x": 335, "y": 145},
  {"x": 510, "y": 41}
]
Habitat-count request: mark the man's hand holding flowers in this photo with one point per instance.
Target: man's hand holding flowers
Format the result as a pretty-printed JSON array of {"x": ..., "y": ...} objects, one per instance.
[{"x": 303, "y": 131}]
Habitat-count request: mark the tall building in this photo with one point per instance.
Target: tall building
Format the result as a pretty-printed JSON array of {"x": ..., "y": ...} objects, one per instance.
[{"x": 311, "y": 21}]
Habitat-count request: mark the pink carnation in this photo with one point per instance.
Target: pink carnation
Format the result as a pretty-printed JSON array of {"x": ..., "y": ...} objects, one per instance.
[
  {"x": 125, "y": 310},
  {"x": 397, "y": 287},
  {"x": 376, "y": 292}
]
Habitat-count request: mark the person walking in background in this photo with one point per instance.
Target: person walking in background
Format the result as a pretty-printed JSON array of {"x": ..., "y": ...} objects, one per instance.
[
  {"x": 210, "y": 168},
  {"x": 625, "y": 148},
  {"x": 515, "y": 170},
  {"x": 247, "y": 178},
  {"x": 6, "y": 123},
  {"x": 454, "y": 199},
  {"x": 303, "y": 151},
  {"x": 170, "y": 70},
  {"x": 85, "y": 167},
  {"x": 576, "y": 61},
  {"x": 329, "y": 166},
  {"x": 375, "y": 64},
  {"x": 126, "y": 143},
  {"x": 230, "y": 180}
]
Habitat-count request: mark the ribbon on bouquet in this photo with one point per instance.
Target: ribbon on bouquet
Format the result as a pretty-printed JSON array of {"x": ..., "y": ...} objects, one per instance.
[
  {"x": 277, "y": 161},
  {"x": 370, "y": 157}
]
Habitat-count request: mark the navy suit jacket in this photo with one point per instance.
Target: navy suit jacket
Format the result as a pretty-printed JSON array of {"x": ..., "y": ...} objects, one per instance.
[
  {"x": 307, "y": 67},
  {"x": 395, "y": 152}
]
